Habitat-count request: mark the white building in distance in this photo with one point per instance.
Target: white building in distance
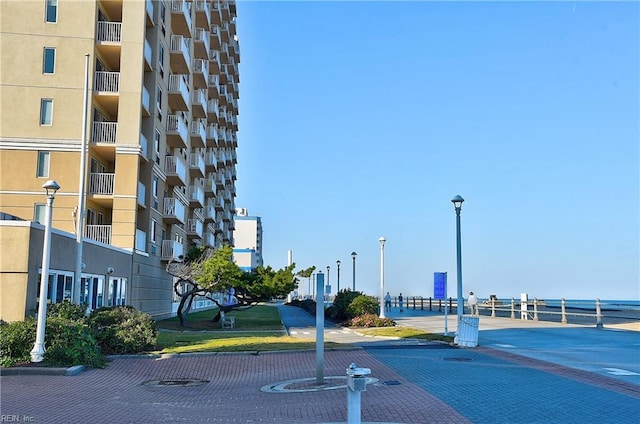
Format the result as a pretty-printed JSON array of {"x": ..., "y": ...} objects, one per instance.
[{"x": 247, "y": 235}]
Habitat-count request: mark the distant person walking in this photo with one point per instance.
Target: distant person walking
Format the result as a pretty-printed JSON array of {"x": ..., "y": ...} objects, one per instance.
[
  {"x": 387, "y": 303},
  {"x": 401, "y": 302},
  {"x": 473, "y": 303}
]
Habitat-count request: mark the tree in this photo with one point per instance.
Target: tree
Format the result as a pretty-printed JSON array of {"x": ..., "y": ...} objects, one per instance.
[{"x": 205, "y": 272}]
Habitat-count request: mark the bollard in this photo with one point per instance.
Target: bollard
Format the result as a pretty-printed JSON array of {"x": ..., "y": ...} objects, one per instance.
[
  {"x": 493, "y": 307},
  {"x": 563, "y": 305},
  {"x": 598, "y": 314},
  {"x": 535, "y": 309},
  {"x": 356, "y": 383}
]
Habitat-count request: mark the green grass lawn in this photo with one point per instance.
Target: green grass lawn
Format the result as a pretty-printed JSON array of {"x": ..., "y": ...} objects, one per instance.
[
  {"x": 257, "y": 329},
  {"x": 404, "y": 333}
]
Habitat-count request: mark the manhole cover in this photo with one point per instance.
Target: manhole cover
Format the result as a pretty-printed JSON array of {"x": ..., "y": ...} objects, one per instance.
[
  {"x": 458, "y": 359},
  {"x": 179, "y": 382}
]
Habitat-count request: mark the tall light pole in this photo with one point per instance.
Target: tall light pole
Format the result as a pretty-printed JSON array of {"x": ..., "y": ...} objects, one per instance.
[
  {"x": 37, "y": 353},
  {"x": 353, "y": 256},
  {"x": 323, "y": 292},
  {"x": 338, "y": 264},
  {"x": 457, "y": 204},
  {"x": 382, "y": 240}
]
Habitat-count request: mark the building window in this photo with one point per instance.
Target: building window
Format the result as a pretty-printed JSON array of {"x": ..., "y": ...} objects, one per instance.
[
  {"x": 159, "y": 101},
  {"x": 161, "y": 60},
  {"x": 52, "y": 11},
  {"x": 38, "y": 213},
  {"x": 46, "y": 111},
  {"x": 49, "y": 60},
  {"x": 152, "y": 230},
  {"x": 43, "y": 165}
]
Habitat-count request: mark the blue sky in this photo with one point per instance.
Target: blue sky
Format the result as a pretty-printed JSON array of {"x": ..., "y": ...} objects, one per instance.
[{"x": 364, "y": 119}]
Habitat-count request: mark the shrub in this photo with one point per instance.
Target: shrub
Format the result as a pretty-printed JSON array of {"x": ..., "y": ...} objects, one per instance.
[
  {"x": 70, "y": 342},
  {"x": 67, "y": 343},
  {"x": 16, "y": 341},
  {"x": 362, "y": 305},
  {"x": 339, "y": 311},
  {"x": 68, "y": 310},
  {"x": 371, "y": 320},
  {"x": 123, "y": 329}
]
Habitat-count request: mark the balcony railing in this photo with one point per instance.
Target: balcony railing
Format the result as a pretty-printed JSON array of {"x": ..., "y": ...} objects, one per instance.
[
  {"x": 195, "y": 226},
  {"x": 101, "y": 183},
  {"x": 109, "y": 32},
  {"x": 196, "y": 195},
  {"x": 104, "y": 132},
  {"x": 171, "y": 249},
  {"x": 107, "y": 82},
  {"x": 175, "y": 170},
  {"x": 174, "y": 208},
  {"x": 100, "y": 233}
]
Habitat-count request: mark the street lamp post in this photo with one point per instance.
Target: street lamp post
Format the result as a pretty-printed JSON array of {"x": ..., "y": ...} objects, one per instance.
[
  {"x": 382, "y": 240},
  {"x": 327, "y": 282},
  {"x": 338, "y": 289},
  {"x": 37, "y": 353},
  {"x": 353, "y": 256},
  {"x": 457, "y": 204}
]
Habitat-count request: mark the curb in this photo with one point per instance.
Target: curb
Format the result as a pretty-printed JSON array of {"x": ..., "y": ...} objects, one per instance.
[{"x": 71, "y": 371}]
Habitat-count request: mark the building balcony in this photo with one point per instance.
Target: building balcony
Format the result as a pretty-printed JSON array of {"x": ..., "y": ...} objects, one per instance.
[
  {"x": 218, "y": 204},
  {"x": 199, "y": 104},
  {"x": 109, "y": 42},
  {"x": 146, "y": 102},
  {"x": 101, "y": 183},
  {"x": 214, "y": 62},
  {"x": 176, "y": 171},
  {"x": 200, "y": 73},
  {"x": 201, "y": 44},
  {"x": 210, "y": 161},
  {"x": 104, "y": 132},
  {"x": 209, "y": 213},
  {"x": 149, "y": 9},
  {"x": 216, "y": 15},
  {"x": 195, "y": 228},
  {"x": 144, "y": 149},
  {"x": 198, "y": 134},
  {"x": 224, "y": 32},
  {"x": 177, "y": 133},
  {"x": 203, "y": 13},
  {"x": 212, "y": 110},
  {"x": 106, "y": 91},
  {"x": 178, "y": 93},
  {"x": 174, "y": 211},
  {"x": 212, "y": 135},
  {"x": 142, "y": 195},
  {"x": 209, "y": 238},
  {"x": 148, "y": 56},
  {"x": 196, "y": 196},
  {"x": 99, "y": 233},
  {"x": 196, "y": 165},
  {"x": 209, "y": 185},
  {"x": 180, "y": 55},
  {"x": 224, "y": 52},
  {"x": 181, "y": 17},
  {"x": 214, "y": 86},
  {"x": 214, "y": 36},
  {"x": 171, "y": 250}
]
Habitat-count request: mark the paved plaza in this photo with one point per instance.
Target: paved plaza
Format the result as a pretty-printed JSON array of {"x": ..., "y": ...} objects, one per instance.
[{"x": 506, "y": 379}]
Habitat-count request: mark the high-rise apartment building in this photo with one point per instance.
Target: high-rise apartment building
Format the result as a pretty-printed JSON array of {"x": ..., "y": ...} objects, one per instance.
[
  {"x": 160, "y": 128},
  {"x": 247, "y": 235}
]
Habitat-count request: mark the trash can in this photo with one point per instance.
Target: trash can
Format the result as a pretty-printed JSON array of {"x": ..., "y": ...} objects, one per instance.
[{"x": 467, "y": 333}]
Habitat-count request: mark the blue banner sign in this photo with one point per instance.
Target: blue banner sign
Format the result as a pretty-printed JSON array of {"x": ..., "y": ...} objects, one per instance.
[{"x": 439, "y": 285}]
